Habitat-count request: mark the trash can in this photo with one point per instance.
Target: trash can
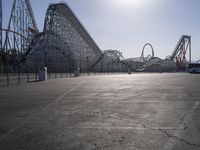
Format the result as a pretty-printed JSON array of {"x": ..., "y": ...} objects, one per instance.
[
  {"x": 129, "y": 71},
  {"x": 43, "y": 74},
  {"x": 76, "y": 72}
]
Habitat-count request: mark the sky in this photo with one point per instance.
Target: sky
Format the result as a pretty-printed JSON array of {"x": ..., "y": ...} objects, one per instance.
[{"x": 127, "y": 25}]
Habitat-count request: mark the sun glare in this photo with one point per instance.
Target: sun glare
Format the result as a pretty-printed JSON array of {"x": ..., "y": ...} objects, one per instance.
[{"x": 130, "y": 3}]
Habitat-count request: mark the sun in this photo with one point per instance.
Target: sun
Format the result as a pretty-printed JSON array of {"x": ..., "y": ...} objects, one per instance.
[{"x": 130, "y": 3}]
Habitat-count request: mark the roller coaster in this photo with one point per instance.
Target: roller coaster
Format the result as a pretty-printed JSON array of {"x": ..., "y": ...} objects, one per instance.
[
  {"x": 175, "y": 62},
  {"x": 65, "y": 45}
]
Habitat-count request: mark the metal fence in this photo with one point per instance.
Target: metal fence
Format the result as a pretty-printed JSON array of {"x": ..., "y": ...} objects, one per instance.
[{"x": 17, "y": 78}]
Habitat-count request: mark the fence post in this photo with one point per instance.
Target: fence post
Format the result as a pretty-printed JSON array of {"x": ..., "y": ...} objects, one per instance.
[
  {"x": 88, "y": 66},
  {"x": 70, "y": 66},
  {"x": 35, "y": 76},
  {"x": 7, "y": 79},
  {"x": 28, "y": 77},
  {"x": 19, "y": 80},
  {"x": 101, "y": 66},
  {"x": 121, "y": 68},
  {"x": 113, "y": 67},
  {"x": 66, "y": 72},
  {"x": 108, "y": 68},
  {"x": 28, "y": 69}
]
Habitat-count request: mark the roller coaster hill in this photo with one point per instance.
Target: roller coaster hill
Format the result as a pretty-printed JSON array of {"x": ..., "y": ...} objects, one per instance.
[{"x": 65, "y": 45}]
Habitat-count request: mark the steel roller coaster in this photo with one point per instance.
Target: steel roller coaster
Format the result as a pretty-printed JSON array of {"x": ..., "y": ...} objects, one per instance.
[{"x": 175, "y": 62}]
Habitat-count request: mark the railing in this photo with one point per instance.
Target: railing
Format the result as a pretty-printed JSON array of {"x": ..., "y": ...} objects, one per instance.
[{"x": 13, "y": 79}]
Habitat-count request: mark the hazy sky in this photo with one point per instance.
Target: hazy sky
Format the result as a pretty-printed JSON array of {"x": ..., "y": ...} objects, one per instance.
[{"x": 127, "y": 25}]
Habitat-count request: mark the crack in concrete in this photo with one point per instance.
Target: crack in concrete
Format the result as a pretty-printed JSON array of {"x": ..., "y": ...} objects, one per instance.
[
  {"x": 182, "y": 121},
  {"x": 174, "y": 137}
]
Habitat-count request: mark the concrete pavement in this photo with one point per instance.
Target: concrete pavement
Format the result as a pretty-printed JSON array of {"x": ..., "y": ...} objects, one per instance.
[{"x": 129, "y": 112}]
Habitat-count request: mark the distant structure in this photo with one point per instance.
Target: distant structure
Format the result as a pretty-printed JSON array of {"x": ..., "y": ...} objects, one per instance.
[
  {"x": 179, "y": 53},
  {"x": 149, "y": 56},
  {"x": 175, "y": 62}
]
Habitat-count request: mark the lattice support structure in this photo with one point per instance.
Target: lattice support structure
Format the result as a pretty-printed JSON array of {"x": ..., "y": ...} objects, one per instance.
[
  {"x": 179, "y": 53},
  {"x": 65, "y": 42},
  {"x": 21, "y": 30},
  {"x": 111, "y": 61}
]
